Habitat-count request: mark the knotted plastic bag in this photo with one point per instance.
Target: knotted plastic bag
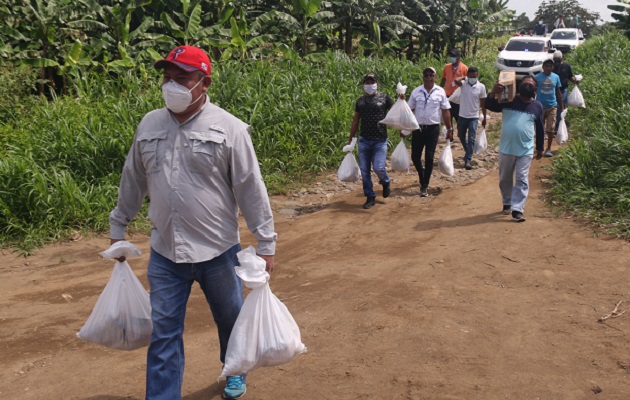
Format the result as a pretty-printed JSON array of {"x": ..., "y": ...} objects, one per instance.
[
  {"x": 481, "y": 142},
  {"x": 349, "y": 169},
  {"x": 400, "y": 158},
  {"x": 264, "y": 334},
  {"x": 400, "y": 115},
  {"x": 456, "y": 96},
  {"x": 121, "y": 318},
  {"x": 445, "y": 162},
  {"x": 563, "y": 133},
  {"x": 350, "y": 147},
  {"x": 576, "y": 99}
]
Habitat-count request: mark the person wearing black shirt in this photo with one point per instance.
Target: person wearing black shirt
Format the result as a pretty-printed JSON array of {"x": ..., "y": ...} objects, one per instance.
[
  {"x": 564, "y": 71},
  {"x": 369, "y": 109}
]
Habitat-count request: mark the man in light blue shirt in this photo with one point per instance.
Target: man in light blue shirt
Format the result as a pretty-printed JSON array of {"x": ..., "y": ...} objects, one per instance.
[
  {"x": 550, "y": 95},
  {"x": 521, "y": 126}
]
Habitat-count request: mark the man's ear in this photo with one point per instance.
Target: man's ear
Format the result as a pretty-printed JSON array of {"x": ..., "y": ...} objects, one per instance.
[{"x": 207, "y": 81}]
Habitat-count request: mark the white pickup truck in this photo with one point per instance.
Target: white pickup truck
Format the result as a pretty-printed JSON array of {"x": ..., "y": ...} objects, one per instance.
[
  {"x": 566, "y": 39},
  {"x": 525, "y": 55}
]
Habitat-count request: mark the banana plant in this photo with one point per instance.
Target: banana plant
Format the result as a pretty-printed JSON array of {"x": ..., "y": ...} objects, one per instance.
[
  {"x": 304, "y": 22},
  {"x": 241, "y": 42}
]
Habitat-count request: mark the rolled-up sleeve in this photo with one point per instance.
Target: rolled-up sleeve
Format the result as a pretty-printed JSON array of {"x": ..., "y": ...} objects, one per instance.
[
  {"x": 131, "y": 194},
  {"x": 251, "y": 193}
]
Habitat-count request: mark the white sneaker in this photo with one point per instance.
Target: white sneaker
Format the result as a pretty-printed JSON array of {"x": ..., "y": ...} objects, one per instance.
[{"x": 548, "y": 153}]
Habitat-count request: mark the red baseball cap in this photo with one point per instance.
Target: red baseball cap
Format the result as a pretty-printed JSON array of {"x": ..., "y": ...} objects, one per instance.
[{"x": 188, "y": 58}]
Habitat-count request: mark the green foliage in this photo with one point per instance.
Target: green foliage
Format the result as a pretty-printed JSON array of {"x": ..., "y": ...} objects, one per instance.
[
  {"x": 593, "y": 175},
  {"x": 622, "y": 15}
]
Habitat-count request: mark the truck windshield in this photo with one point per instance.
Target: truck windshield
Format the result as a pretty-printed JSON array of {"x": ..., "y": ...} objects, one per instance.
[
  {"x": 563, "y": 35},
  {"x": 523, "y": 45}
]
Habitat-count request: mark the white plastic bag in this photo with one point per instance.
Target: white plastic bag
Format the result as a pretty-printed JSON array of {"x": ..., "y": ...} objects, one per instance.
[
  {"x": 563, "y": 133},
  {"x": 455, "y": 97},
  {"x": 481, "y": 142},
  {"x": 400, "y": 158},
  {"x": 576, "y": 99},
  {"x": 445, "y": 161},
  {"x": 349, "y": 169},
  {"x": 121, "y": 318},
  {"x": 400, "y": 117},
  {"x": 405, "y": 132},
  {"x": 444, "y": 132},
  {"x": 578, "y": 77},
  {"x": 400, "y": 88},
  {"x": 350, "y": 147},
  {"x": 119, "y": 249},
  {"x": 264, "y": 334}
]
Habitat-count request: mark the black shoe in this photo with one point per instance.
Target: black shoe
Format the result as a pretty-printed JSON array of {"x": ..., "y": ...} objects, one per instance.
[
  {"x": 369, "y": 202},
  {"x": 423, "y": 191},
  {"x": 506, "y": 209},
  {"x": 518, "y": 216},
  {"x": 387, "y": 189},
  {"x": 468, "y": 166}
]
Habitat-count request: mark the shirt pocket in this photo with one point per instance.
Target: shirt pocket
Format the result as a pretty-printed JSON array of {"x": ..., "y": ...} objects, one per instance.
[
  {"x": 149, "y": 145},
  {"x": 205, "y": 146}
]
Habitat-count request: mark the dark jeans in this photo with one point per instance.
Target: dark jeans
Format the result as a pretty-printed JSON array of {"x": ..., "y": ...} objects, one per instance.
[
  {"x": 170, "y": 287},
  {"x": 427, "y": 136},
  {"x": 470, "y": 125},
  {"x": 454, "y": 111}
]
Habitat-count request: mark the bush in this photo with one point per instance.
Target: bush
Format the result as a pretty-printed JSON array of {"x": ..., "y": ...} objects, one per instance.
[{"x": 592, "y": 177}]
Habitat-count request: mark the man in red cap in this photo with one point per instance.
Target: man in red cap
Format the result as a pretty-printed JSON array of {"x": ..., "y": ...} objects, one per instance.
[{"x": 197, "y": 164}]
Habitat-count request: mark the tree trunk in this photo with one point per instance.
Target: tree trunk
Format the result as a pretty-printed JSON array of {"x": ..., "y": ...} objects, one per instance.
[{"x": 348, "y": 41}]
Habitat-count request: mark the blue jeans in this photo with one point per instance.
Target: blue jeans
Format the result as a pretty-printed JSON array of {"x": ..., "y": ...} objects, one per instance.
[
  {"x": 470, "y": 124},
  {"x": 514, "y": 193},
  {"x": 372, "y": 152},
  {"x": 565, "y": 97},
  {"x": 170, "y": 287}
]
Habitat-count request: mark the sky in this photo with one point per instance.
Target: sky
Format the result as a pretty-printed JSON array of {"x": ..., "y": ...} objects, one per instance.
[{"x": 529, "y": 7}]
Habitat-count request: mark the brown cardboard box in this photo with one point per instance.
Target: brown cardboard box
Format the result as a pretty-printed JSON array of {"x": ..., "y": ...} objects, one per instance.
[{"x": 508, "y": 80}]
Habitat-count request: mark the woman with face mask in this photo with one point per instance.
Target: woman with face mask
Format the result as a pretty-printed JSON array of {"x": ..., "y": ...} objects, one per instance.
[
  {"x": 369, "y": 109},
  {"x": 521, "y": 130}
]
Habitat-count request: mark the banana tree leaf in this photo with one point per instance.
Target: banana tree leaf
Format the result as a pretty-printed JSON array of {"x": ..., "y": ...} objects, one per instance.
[
  {"x": 12, "y": 34},
  {"x": 369, "y": 45},
  {"x": 194, "y": 21},
  {"x": 38, "y": 62},
  {"x": 126, "y": 63},
  {"x": 316, "y": 57}
]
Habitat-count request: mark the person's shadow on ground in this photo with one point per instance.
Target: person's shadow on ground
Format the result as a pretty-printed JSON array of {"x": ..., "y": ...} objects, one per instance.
[{"x": 213, "y": 391}]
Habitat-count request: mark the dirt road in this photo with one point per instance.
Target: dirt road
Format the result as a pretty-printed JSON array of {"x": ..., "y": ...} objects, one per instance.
[{"x": 437, "y": 298}]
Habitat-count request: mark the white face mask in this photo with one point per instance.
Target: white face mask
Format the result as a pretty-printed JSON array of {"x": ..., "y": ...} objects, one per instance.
[
  {"x": 177, "y": 97},
  {"x": 472, "y": 81},
  {"x": 370, "y": 89}
]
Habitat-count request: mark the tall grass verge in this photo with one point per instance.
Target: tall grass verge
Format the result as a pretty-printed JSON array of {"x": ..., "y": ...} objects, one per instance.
[{"x": 592, "y": 177}]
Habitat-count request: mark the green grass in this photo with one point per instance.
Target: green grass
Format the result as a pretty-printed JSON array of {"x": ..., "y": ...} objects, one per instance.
[{"x": 592, "y": 177}]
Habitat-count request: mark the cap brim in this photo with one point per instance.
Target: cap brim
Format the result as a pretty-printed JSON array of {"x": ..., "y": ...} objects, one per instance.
[{"x": 163, "y": 63}]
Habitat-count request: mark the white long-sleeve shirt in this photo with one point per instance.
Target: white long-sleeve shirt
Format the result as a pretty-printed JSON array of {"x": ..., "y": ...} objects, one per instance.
[{"x": 197, "y": 174}]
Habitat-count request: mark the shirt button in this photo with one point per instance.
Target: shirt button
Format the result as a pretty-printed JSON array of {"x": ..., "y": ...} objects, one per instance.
[
  {"x": 174, "y": 168},
  {"x": 177, "y": 147},
  {"x": 186, "y": 145}
]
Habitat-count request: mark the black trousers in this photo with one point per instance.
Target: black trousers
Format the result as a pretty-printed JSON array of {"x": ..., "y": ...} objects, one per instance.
[
  {"x": 425, "y": 138},
  {"x": 455, "y": 111}
]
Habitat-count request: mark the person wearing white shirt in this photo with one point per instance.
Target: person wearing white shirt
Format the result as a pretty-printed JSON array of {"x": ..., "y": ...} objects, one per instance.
[
  {"x": 473, "y": 98},
  {"x": 428, "y": 102}
]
